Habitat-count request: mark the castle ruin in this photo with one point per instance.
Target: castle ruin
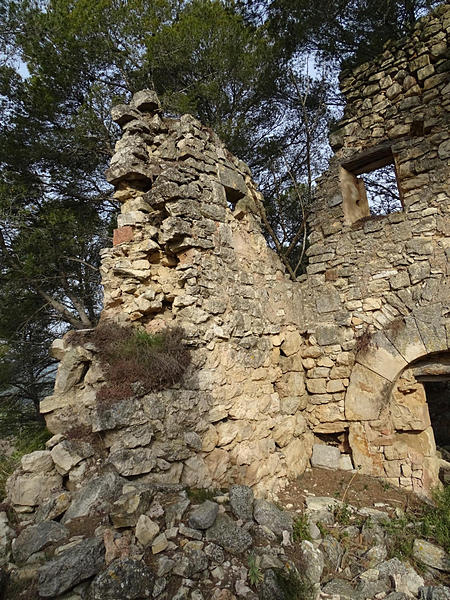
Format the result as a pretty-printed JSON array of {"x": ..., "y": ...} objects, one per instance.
[{"x": 340, "y": 359}]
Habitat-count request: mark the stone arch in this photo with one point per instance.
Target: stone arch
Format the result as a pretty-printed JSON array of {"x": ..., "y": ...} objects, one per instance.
[{"x": 425, "y": 331}]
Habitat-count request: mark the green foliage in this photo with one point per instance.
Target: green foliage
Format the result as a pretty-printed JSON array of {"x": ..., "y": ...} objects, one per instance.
[
  {"x": 350, "y": 30},
  {"x": 255, "y": 575},
  {"x": 31, "y": 438},
  {"x": 431, "y": 522},
  {"x": 342, "y": 514},
  {"x": 401, "y": 534},
  {"x": 293, "y": 586},
  {"x": 436, "y": 520},
  {"x": 199, "y": 495},
  {"x": 301, "y": 529}
]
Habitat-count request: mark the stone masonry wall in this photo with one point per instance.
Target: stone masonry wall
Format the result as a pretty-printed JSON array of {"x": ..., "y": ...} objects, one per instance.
[
  {"x": 280, "y": 369},
  {"x": 376, "y": 295},
  {"x": 189, "y": 251}
]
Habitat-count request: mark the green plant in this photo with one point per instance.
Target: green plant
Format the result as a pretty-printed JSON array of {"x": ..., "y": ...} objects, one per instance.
[
  {"x": 136, "y": 362},
  {"x": 301, "y": 529},
  {"x": 292, "y": 585},
  {"x": 199, "y": 495},
  {"x": 436, "y": 520},
  {"x": 342, "y": 514},
  {"x": 401, "y": 533},
  {"x": 255, "y": 575},
  {"x": 28, "y": 440}
]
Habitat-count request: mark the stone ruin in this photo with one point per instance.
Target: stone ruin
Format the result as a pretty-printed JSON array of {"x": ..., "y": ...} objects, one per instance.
[{"x": 331, "y": 368}]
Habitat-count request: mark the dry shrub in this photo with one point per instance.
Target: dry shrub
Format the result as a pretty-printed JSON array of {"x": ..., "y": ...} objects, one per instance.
[{"x": 135, "y": 362}]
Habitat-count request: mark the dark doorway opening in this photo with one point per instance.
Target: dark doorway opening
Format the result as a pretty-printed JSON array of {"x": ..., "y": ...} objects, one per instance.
[{"x": 438, "y": 398}]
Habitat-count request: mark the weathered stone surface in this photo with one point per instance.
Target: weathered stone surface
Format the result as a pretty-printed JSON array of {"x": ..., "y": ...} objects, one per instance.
[
  {"x": 133, "y": 461},
  {"x": 268, "y": 515},
  {"x": 71, "y": 567},
  {"x": 366, "y": 394},
  {"x": 325, "y": 456},
  {"x": 94, "y": 496},
  {"x": 146, "y": 530},
  {"x": 30, "y": 489},
  {"x": 127, "y": 509},
  {"x": 204, "y": 515},
  {"x": 67, "y": 454},
  {"x": 431, "y": 555},
  {"x": 34, "y": 538},
  {"x": 37, "y": 462},
  {"x": 241, "y": 502},
  {"x": 124, "y": 579},
  {"x": 228, "y": 535}
]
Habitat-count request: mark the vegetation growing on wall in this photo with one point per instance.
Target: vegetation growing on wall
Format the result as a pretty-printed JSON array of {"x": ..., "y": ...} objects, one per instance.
[{"x": 135, "y": 362}]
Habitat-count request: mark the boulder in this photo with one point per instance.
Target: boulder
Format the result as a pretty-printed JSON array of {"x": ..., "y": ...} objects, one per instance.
[
  {"x": 227, "y": 534},
  {"x": 94, "y": 496},
  {"x": 124, "y": 579},
  {"x": 36, "y": 537},
  {"x": 326, "y": 457},
  {"x": 268, "y": 515},
  {"x": 68, "y": 453},
  {"x": 30, "y": 489},
  {"x": 241, "y": 502},
  {"x": 39, "y": 461},
  {"x": 204, "y": 515},
  {"x": 431, "y": 555},
  {"x": 146, "y": 530},
  {"x": 76, "y": 564}
]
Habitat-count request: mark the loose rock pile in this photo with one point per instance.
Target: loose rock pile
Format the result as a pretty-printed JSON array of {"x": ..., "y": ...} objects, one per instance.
[{"x": 114, "y": 539}]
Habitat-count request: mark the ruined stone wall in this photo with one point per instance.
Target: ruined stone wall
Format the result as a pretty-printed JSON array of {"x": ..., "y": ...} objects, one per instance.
[
  {"x": 280, "y": 369},
  {"x": 376, "y": 295},
  {"x": 189, "y": 251}
]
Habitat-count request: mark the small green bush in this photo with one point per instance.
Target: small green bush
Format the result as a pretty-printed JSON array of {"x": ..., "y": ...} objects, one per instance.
[
  {"x": 136, "y": 362},
  {"x": 436, "y": 520},
  {"x": 301, "y": 529},
  {"x": 255, "y": 575},
  {"x": 293, "y": 586}
]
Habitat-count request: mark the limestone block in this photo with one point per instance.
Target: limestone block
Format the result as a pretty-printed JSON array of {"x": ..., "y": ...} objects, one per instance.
[
  {"x": 316, "y": 386},
  {"x": 325, "y": 457},
  {"x": 39, "y": 461},
  {"x": 146, "y": 530},
  {"x": 409, "y": 411},
  {"x": 31, "y": 489},
  {"x": 382, "y": 357},
  {"x": 195, "y": 472},
  {"x": 145, "y": 101},
  {"x": 405, "y": 336},
  {"x": 328, "y": 300},
  {"x": 290, "y": 384},
  {"x": 366, "y": 394},
  {"x": 432, "y": 555},
  {"x": 67, "y": 454},
  {"x": 328, "y": 413},
  {"x": 297, "y": 454},
  {"x": 233, "y": 183},
  {"x": 292, "y": 343},
  {"x": 431, "y": 327},
  {"x": 421, "y": 442},
  {"x": 133, "y": 461},
  {"x": 364, "y": 459}
]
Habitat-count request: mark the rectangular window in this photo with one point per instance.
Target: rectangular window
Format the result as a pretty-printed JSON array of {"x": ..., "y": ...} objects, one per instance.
[{"x": 369, "y": 185}]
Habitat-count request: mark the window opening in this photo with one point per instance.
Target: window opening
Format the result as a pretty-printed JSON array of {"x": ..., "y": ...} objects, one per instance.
[
  {"x": 369, "y": 185},
  {"x": 382, "y": 192}
]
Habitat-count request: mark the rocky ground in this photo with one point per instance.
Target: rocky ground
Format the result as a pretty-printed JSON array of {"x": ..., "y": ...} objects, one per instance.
[{"x": 332, "y": 535}]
